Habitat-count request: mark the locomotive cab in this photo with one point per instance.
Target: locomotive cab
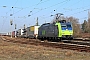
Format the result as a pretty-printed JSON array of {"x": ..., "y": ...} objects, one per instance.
[{"x": 65, "y": 29}]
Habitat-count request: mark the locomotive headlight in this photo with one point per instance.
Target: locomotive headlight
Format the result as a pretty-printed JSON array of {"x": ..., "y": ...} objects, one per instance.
[{"x": 66, "y": 29}]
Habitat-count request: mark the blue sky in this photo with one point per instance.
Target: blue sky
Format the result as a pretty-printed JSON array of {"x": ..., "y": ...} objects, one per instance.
[{"x": 20, "y": 9}]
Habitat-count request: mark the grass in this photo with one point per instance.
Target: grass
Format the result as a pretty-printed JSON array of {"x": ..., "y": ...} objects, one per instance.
[{"x": 17, "y": 51}]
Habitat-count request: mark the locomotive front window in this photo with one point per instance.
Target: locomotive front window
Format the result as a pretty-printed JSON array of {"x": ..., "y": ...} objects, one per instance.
[
  {"x": 63, "y": 26},
  {"x": 68, "y": 26}
]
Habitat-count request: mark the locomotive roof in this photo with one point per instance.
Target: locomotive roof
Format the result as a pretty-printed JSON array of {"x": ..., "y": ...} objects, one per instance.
[
  {"x": 66, "y": 23},
  {"x": 46, "y": 23}
]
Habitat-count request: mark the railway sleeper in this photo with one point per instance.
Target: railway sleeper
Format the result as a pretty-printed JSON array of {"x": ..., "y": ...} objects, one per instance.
[
  {"x": 88, "y": 51},
  {"x": 73, "y": 47},
  {"x": 65, "y": 47},
  {"x": 81, "y": 50}
]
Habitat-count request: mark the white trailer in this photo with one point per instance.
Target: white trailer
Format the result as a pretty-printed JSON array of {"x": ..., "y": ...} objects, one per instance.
[{"x": 32, "y": 31}]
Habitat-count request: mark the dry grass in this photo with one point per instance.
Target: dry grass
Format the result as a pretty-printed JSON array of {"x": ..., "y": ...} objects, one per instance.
[{"x": 17, "y": 51}]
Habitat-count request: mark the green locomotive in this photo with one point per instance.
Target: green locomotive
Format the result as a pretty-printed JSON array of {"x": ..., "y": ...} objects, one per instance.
[{"x": 56, "y": 31}]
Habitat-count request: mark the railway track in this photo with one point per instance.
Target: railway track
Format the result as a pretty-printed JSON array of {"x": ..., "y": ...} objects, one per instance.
[
  {"x": 79, "y": 42},
  {"x": 72, "y": 45}
]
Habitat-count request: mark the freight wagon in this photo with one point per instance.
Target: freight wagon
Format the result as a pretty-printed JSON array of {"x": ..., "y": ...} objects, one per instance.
[
  {"x": 13, "y": 33},
  {"x": 32, "y": 31},
  {"x": 19, "y": 33}
]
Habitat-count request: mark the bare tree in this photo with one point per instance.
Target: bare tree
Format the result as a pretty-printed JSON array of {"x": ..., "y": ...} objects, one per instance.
[
  {"x": 76, "y": 25},
  {"x": 85, "y": 26},
  {"x": 88, "y": 25}
]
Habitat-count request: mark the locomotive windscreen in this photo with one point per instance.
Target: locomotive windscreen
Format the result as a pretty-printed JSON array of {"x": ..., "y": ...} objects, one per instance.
[{"x": 66, "y": 26}]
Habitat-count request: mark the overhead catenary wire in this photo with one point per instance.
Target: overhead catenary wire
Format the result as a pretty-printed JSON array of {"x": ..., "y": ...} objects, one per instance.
[
  {"x": 49, "y": 14},
  {"x": 15, "y": 3},
  {"x": 40, "y": 2},
  {"x": 50, "y": 6},
  {"x": 35, "y": 7},
  {"x": 3, "y": 23},
  {"x": 62, "y": 3},
  {"x": 80, "y": 11},
  {"x": 73, "y": 9},
  {"x": 24, "y": 8}
]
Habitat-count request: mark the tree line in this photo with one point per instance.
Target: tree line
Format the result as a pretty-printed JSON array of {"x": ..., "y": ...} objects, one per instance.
[{"x": 86, "y": 26}]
